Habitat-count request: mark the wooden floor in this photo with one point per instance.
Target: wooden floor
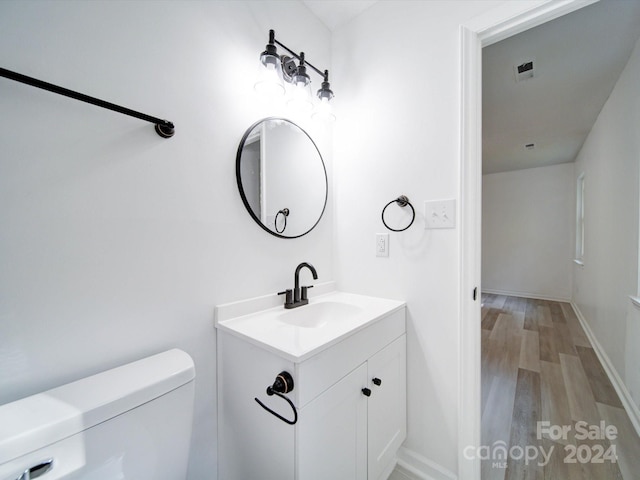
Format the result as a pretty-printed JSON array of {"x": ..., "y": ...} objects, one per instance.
[{"x": 538, "y": 366}]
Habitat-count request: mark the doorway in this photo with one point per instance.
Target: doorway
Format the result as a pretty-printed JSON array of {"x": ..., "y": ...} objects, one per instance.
[{"x": 504, "y": 24}]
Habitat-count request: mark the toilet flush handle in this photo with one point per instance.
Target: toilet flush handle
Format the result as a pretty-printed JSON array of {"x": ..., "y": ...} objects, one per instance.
[{"x": 37, "y": 470}]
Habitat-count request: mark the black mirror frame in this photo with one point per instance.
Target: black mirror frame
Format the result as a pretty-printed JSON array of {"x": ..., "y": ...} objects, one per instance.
[{"x": 241, "y": 189}]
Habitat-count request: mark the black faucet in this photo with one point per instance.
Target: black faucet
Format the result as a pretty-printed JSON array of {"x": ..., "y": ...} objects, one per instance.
[{"x": 298, "y": 297}]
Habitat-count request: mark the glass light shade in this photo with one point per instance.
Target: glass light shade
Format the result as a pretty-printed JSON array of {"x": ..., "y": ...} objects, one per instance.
[
  {"x": 324, "y": 112},
  {"x": 301, "y": 97},
  {"x": 269, "y": 82}
]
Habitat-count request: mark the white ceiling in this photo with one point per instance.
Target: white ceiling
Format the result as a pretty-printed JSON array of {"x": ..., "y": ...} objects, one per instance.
[
  {"x": 578, "y": 59},
  {"x": 335, "y": 13}
]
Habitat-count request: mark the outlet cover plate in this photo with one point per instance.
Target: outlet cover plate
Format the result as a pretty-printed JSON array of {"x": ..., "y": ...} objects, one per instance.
[
  {"x": 382, "y": 244},
  {"x": 440, "y": 214}
]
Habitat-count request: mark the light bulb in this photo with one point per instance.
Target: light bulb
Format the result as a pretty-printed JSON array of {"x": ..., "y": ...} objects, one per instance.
[
  {"x": 324, "y": 111},
  {"x": 269, "y": 81},
  {"x": 301, "y": 97}
]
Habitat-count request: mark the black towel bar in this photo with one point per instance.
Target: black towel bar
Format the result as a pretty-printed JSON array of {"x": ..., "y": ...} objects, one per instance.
[{"x": 164, "y": 128}]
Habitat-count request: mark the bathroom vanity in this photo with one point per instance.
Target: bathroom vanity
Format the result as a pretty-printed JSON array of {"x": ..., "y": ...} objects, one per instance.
[{"x": 345, "y": 416}]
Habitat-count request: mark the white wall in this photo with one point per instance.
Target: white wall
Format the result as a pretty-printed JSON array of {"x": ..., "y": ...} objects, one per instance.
[
  {"x": 528, "y": 220},
  {"x": 115, "y": 243},
  {"x": 610, "y": 161},
  {"x": 294, "y": 179},
  {"x": 397, "y": 66}
]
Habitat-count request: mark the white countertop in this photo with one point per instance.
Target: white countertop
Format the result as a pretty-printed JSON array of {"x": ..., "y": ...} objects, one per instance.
[{"x": 298, "y": 334}]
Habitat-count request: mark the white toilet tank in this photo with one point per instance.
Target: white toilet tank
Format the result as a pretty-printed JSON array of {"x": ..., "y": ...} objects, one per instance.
[{"x": 132, "y": 422}]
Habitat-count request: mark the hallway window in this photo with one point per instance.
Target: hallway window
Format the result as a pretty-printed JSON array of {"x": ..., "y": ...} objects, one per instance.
[{"x": 580, "y": 219}]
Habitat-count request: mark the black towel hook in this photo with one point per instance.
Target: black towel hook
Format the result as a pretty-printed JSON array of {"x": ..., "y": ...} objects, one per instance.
[{"x": 402, "y": 201}]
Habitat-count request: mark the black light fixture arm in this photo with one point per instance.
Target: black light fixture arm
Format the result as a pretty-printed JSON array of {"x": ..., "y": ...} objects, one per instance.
[
  {"x": 306, "y": 62},
  {"x": 272, "y": 39},
  {"x": 164, "y": 128}
]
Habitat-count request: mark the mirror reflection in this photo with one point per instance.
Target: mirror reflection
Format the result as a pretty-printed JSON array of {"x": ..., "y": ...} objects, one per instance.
[{"x": 281, "y": 177}]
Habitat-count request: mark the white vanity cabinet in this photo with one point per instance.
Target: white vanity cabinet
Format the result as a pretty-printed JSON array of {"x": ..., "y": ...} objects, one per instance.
[
  {"x": 387, "y": 411},
  {"x": 349, "y": 426},
  {"x": 345, "y": 434},
  {"x": 332, "y": 432}
]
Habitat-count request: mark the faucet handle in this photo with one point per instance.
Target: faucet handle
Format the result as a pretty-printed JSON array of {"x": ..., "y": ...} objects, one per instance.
[
  {"x": 303, "y": 295},
  {"x": 288, "y": 299}
]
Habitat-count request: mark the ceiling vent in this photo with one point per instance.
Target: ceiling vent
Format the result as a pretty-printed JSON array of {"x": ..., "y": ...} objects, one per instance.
[{"x": 525, "y": 70}]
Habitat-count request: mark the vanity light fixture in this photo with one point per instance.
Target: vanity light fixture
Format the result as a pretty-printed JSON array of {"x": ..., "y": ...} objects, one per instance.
[
  {"x": 301, "y": 94},
  {"x": 276, "y": 69},
  {"x": 269, "y": 80},
  {"x": 325, "y": 94}
]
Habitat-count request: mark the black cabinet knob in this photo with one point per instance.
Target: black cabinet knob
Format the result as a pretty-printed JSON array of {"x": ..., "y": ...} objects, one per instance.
[
  {"x": 366, "y": 392},
  {"x": 377, "y": 381}
]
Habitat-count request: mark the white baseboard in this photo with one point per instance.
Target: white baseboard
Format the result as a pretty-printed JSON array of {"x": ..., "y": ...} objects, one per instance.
[
  {"x": 511, "y": 293},
  {"x": 414, "y": 466},
  {"x": 621, "y": 389}
]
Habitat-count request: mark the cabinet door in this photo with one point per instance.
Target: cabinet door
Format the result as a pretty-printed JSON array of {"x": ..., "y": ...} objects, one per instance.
[
  {"x": 332, "y": 432},
  {"x": 387, "y": 409}
]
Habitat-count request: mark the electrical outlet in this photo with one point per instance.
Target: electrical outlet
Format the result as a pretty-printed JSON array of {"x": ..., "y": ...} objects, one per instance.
[
  {"x": 440, "y": 214},
  {"x": 382, "y": 244}
]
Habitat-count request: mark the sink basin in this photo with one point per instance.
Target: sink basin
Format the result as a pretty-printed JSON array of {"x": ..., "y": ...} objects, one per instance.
[
  {"x": 317, "y": 315},
  {"x": 302, "y": 332}
]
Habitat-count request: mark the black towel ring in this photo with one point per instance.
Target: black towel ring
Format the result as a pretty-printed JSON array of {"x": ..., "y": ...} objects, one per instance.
[
  {"x": 285, "y": 213},
  {"x": 402, "y": 201}
]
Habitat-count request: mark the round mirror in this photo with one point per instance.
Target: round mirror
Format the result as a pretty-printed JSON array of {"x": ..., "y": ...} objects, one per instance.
[{"x": 281, "y": 177}]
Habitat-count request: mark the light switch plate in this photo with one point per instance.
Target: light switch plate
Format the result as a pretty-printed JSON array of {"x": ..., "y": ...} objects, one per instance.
[{"x": 440, "y": 214}]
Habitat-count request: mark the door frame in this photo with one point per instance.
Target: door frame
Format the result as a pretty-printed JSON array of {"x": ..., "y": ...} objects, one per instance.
[{"x": 502, "y": 22}]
